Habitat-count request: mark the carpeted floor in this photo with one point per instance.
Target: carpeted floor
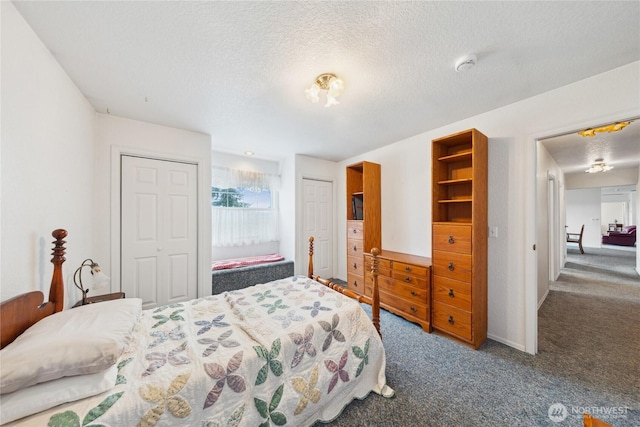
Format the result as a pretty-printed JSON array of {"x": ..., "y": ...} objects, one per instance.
[
  {"x": 589, "y": 359},
  {"x": 608, "y": 273}
]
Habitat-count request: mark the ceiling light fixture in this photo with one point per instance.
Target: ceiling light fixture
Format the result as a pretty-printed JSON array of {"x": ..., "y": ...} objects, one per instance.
[
  {"x": 327, "y": 82},
  {"x": 466, "y": 62},
  {"x": 599, "y": 166},
  {"x": 249, "y": 153},
  {"x": 615, "y": 127}
]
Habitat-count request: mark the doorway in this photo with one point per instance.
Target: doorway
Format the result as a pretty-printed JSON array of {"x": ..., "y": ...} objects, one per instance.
[{"x": 567, "y": 157}]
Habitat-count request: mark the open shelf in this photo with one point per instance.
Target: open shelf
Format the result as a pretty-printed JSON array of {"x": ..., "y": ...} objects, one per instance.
[
  {"x": 455, "y": 181},
  {"x": 456, "y": 157},
  {"x": 469, "y": 200}
]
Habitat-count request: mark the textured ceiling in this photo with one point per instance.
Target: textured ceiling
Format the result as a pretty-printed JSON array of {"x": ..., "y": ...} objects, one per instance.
[
  {"x": 575, "y": 153},
  {"x": 237, "y": 70}
]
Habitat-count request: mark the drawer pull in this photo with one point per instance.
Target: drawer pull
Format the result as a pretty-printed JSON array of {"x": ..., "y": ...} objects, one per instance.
[
  {"x": 414, "y": 293},
  {"x": 355, "y": 248},
  {"x": 355, "y": 265},
  {"x": 355, "y": 283},
  {"x": 355, "y": 231},
  {"x": 451, "y": 293},
  {"x": 451, "y": 267},
  {"x": 451, "y": 240},
  {"x": 407, "y": 279},
  {"x": 451, "y": 322},
  {"x": 414, "y": 309},
  {"x": 408, "y": 268}
]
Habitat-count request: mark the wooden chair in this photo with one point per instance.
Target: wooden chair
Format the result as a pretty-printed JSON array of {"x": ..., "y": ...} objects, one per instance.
[
  {"x": 576, "y": 238},
  {"x": 590, "y": 421}
]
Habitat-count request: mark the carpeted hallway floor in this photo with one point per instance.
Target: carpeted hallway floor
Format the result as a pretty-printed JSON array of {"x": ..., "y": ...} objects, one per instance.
[{"x": 589, "y": 359}]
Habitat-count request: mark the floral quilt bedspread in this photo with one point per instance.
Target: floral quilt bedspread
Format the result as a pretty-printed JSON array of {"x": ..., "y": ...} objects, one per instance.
[{"x": 289, "y": 352}]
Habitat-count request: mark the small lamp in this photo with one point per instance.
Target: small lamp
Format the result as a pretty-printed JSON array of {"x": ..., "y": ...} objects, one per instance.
[{"x": 99, "y": 278}]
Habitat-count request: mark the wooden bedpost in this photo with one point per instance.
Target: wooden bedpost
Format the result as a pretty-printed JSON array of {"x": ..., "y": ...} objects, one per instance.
[
  {"x": 17, "y": 314},
  {"x": 375, "y": 304},
  {"x": 310, "y": 269},
  {"x": 373, "y": 300},
  {"x": 56, "y": 290}
]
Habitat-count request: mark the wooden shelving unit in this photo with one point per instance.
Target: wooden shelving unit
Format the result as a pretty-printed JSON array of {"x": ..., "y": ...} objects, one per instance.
[
  {"x": 459, "y": 236},
  {"x": 364, "y": 230}
]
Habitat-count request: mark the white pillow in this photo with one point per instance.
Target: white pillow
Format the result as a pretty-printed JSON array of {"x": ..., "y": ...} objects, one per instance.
[
  {"x": 40, "y": 397},
  {"x": 78, "y": 341}
]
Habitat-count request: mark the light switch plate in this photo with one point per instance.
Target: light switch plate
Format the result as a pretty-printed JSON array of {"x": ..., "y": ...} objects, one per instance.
[{"x": 493, "y": 232}]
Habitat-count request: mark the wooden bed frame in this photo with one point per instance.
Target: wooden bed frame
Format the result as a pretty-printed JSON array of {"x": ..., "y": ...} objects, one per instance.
[
  {"x": 20, "y": 312},
  {"x": 373, "y": 300}
]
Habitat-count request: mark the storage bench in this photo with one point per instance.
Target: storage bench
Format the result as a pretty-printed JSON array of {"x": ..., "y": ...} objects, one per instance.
[{"x": 237, "y": 278}]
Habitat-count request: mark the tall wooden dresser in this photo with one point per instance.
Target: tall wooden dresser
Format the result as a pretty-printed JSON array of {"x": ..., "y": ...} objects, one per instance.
[
  {"x": 459, "y": 236},
  {"x": 404, "y": 282},
  {"x": 364, "y": 224}
]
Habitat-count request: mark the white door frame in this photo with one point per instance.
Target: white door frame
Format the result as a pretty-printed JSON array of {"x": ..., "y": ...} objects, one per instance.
[
  {"x": 203, "y": 221},
  {"x": 552, "y": 226},
  {"x": 530, "y": 187}
]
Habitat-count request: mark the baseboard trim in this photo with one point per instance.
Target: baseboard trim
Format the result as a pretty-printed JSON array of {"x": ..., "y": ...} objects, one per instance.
[
  {"x": 544, "y": 297},
  {"x": 510, "y": 343}
]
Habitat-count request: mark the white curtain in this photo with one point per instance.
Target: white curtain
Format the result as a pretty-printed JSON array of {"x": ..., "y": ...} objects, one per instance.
[{"x": 244, "y": 226}]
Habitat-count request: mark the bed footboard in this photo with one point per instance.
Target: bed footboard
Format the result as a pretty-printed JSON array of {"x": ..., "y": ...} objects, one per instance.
[{"x": 373, "y": 301}]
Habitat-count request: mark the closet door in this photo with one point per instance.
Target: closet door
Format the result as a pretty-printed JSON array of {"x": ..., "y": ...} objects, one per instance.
[
  {"x": 318, "y": 222},
  {"x": 159, "y": 230}
]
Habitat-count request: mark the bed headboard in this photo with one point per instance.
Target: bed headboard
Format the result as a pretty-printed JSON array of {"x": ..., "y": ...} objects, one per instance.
[{"x": 19, "y": 313}]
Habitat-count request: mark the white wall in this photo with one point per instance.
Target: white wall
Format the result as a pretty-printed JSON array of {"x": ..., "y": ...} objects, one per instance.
[
  {"x": 636, "y": 220},
  {"x": 627, "y": 176},
  {"x": 117, "y": 136},
  {"x": 547, "y": 168},
  {"x": 583, "y": 207},
  {"x": 46, "y": 179},
  {"x": 512, "y": 131}
]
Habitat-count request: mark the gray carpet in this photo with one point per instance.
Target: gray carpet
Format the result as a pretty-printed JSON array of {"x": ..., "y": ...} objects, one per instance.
[
  {"x": 605, "y": 272},
  {"x": 589, "y": 357}
]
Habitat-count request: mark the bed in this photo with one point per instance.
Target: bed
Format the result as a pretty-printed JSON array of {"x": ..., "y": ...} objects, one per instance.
[{"x": 288, "y": 352}]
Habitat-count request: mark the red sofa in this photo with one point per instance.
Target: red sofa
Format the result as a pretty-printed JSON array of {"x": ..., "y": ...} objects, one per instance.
[{"x": 625, "y": 237}]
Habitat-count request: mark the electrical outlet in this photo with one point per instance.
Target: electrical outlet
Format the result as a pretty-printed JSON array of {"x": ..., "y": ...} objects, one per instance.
[{"x": 493, "y": 232}]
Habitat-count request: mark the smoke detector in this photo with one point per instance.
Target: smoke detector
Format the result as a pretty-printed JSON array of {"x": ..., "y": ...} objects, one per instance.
[{"x": 466, "y": 62}]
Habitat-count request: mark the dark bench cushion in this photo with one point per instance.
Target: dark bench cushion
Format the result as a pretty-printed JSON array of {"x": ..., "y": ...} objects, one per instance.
[{"x": 241, "y": 277}]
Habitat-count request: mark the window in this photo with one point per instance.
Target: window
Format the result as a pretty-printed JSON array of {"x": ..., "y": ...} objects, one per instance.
[{"x": 244, "y": 207}]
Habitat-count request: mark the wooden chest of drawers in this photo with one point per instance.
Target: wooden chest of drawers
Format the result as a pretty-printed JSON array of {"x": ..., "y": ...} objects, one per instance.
[
  {"x": 355, "y": 252},
  {"x": 454, "y": 289},
  {"x": 405, "y": 284}
]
